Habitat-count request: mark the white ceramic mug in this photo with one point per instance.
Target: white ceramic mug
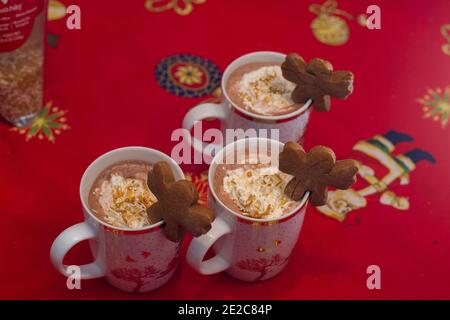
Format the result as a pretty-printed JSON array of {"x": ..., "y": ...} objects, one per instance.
[
  {"x": 291, "y": 126},
  {"x": 246, "y": 248},
  {"x": 132, "y": 260}
]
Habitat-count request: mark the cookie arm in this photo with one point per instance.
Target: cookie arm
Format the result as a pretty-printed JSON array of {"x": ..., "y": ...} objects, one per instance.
[
  {"x": 155, "y": 213},
  {"x": 197, "y": 220},
  {"x": 319, "y": 195},
  {"x": 301, "y": 94},
  {"x": 340, "y": 84},
  {"x": 292, "y": 67},
  {"x": 343, "y": 174},
  {"x": 294, "y": 189},
  {"x": 322, "y": 103},
  {"x": 173, "y": 232}
]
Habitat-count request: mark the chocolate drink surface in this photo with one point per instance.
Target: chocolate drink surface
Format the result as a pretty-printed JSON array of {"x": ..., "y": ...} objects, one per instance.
[
  {"x": 253, "y": 188},
  {"x": 259, "y": 88},
  {"x": 120, "y": 195}
]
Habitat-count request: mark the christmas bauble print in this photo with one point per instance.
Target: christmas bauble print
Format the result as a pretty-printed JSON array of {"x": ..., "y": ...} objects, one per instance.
[{"x": 330, "y": 30}]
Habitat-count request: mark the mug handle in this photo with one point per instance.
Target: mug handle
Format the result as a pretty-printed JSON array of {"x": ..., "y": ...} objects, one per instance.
[
  {"x": 66, "y": 241},
  {"x": 201, "y": 112},
  {"x": 200, "y": 246}
]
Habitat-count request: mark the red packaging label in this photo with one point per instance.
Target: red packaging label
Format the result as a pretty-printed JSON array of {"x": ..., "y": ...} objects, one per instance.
[{"x": 16, "y": 22}]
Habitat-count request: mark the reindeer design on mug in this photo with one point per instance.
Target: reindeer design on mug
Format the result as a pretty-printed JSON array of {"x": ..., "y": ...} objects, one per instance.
[{"x": 263, "y": 265}]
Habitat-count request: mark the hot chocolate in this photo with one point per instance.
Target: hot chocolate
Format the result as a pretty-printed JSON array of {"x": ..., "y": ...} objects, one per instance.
[
  {"x": 259, "y": 87},
  {"x": 253, "y": 189},
  {"x": 120, "y": 195}
]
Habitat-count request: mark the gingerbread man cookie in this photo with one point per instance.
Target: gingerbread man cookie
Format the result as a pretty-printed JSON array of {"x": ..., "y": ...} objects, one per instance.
[
  {"x": 316, "y": 80},
  {"x": 177, "y": 204},
  {"x": 315, "y": 171}
]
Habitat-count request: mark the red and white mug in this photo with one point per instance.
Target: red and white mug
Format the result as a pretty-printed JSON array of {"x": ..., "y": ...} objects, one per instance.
[
  {"x": 291, "y": 126},
  {"x": 132, "y": 260},
  {"x": 246, "y": 248}
]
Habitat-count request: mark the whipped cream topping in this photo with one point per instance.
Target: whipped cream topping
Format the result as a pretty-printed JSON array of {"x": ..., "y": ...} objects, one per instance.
[
  {"x": 258, "y": 192},
  {"x": 265, "y": 91},
  {"x": 125, "y": 201}
]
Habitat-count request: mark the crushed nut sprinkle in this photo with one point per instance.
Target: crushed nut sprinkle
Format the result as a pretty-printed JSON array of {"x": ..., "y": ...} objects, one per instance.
[
  {"x": 258, "y": 192},
  {"x": 125, "y": 201},
  {"x": 265, "y": 90}
]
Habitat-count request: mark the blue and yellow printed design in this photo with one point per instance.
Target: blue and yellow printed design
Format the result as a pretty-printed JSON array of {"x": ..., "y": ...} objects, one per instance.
[
  {"x": 376, "y": 183},
  {"x": 187, "y": 75}
]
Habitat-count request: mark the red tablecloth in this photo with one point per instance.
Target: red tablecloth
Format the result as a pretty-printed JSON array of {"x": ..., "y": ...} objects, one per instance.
[{"x": 103, "y": 78}]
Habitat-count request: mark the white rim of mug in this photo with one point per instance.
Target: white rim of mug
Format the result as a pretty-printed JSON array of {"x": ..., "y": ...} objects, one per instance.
[
  {"x": 302, "y": 202},
  {"x": 236, "y": 63},
  {"x": 160, "y": 154}
]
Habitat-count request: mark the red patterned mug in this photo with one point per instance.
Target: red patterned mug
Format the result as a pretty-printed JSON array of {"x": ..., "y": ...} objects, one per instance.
[
  {"x": 291, "y": 126},
  {"x": 132, "y": 260},
  {"x": 246, "y": 248}
]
